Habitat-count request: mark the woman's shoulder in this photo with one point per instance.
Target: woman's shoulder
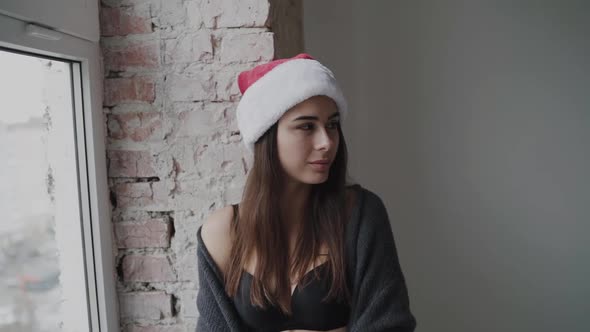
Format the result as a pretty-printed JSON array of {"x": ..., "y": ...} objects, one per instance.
[
  {"x": 215, "y": 234},
  {"x": 368, "y": 195},
  {"x": 352, "y": 196},
  {"x": 372, "y": 215},
  {"x": 367, "y": 200}
]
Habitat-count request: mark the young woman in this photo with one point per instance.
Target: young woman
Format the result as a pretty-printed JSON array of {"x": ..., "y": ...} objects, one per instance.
[{"x": 303, "y": 250}]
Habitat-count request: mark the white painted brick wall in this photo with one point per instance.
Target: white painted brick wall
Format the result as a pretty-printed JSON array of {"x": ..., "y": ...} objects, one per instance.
[
  {"x": 145, "y": 305},
  {"x": 174, "y": 149}
]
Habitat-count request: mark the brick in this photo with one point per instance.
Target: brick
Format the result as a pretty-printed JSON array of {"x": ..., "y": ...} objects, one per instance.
[
  {"x": 121, "y": 21},
  {"x": 184, "y": 243},
  {"x": 145, "y": 305},
  {"x": 197, "y": 121},
  {"x": 136, "y": 126},
  {"x": 147, "y": 268},
  {"x": 196, "y": 192},
  {"x": 208, "y": 159},
  {"x": 133, "y": 194},
  {"x": 170, "y": 14},
  {"x": 132, "y": 89},
  {"x": 189, "y": 48},
  {"x": 147, "y": 234},
  {"x": 247, "y": 47},
  {"x": 194, "y": 123},
  {"x": 137, "y": 55},
  {"x": 187, "y": 264},
  {"x": 234, "y": 191},
  {"x": 233, "y": 14},
  {"x": 198, "y": 87},
  {"x": 227, "y": 84},
  {"x": 124, "y": 163},
  {"x": 188, "y": 303},
  {"x": 162, "y": 190},
  {"x": 194, "y": 17}
]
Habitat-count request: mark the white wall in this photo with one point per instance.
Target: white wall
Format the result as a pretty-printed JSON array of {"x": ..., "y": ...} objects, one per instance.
[
  {"x": 75, "y": 17},
  {"x": 473, "y": 123}
]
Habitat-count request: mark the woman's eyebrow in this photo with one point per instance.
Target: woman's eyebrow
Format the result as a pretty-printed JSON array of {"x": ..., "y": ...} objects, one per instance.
[{"x": 311, "y": 117}]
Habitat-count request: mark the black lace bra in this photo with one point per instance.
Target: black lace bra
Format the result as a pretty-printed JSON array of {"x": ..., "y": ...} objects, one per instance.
[{"x": 308, "y": 310}]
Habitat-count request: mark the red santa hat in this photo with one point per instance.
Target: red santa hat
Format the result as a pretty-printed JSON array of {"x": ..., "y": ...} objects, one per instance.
[{"x": 270, "y": 89}]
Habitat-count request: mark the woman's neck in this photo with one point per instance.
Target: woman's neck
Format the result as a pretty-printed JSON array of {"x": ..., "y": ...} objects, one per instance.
[{"x": 294, "y": 204}]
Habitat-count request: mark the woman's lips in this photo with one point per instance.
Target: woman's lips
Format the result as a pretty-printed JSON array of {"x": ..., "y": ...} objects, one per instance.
[{"x": 320, "y": 167}]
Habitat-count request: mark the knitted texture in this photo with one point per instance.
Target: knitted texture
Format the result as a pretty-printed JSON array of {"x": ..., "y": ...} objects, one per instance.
[{"x": 380, "y": 299}]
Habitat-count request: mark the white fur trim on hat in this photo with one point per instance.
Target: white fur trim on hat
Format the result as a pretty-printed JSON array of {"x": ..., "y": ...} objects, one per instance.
[{"x": 283, "y": 87}]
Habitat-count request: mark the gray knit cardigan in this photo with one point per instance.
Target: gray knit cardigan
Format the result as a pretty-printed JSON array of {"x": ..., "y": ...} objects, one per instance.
[{"x": 379, "y": 295}]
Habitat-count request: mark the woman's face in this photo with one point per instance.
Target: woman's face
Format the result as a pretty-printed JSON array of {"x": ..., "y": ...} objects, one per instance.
[{"x": 306, "y": 133}]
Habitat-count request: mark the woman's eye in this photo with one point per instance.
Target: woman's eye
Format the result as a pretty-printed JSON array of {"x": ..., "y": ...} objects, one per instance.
[
  {"x": 334, "y": 124},
  {"x": 310, "y": 126}
]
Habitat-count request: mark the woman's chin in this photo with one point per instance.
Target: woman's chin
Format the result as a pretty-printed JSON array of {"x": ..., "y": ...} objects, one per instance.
[{"x": 317, "y": 178}]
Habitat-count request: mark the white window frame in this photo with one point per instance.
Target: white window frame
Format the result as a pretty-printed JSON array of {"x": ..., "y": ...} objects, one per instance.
[{"x": 91, "y": 158}]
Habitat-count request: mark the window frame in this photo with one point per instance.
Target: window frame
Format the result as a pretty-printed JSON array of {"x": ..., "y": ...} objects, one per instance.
[{"x": 91, "y": 159}]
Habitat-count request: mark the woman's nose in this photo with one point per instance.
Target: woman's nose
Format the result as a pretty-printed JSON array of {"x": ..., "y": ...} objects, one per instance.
[{"x": 323, "y": 140}]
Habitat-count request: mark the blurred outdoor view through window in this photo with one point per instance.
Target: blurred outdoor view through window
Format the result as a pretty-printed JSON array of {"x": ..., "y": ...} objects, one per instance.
[{"x": 41, "y": 247}]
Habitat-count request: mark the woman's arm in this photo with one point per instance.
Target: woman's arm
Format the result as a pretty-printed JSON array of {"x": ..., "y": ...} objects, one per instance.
[
  {"x": 379, "y": 298},
  {"x": 210, "y": 315},
  {"x": 216, "y": 310}
]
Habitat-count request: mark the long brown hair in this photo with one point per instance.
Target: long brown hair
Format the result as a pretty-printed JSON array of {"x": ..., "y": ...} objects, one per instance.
[{"x": 260, "y": 229}]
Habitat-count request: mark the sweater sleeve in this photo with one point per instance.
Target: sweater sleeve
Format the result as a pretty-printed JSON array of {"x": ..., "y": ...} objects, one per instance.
[
  {"x": 210, "y": 315},
  {"x": 216, "y": 311},
  {"x": 380, "y": 300}
]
